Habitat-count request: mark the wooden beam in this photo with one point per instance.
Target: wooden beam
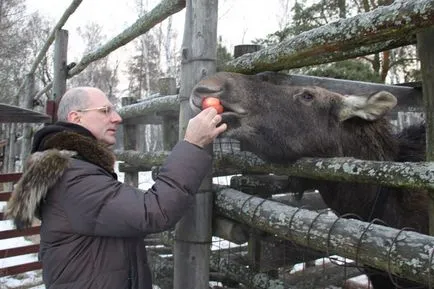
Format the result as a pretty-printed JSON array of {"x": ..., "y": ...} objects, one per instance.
[
  {"x": 394, "y": 250},
  {"x": 60, "y": 70},
  {"x": 194, "y": 231},
  {"x": 14, "y": 270},
  {"x": 168, "y": 103},
  {"x": 425, "y": 42},
  {"x": 396, "y": 174},
  {"x": 416, "y": 175},
  {"x": 10, "y": 177},
  {"x": 381, "y": 29},
  {"x": 17, "y": 251},
  {"x": 130, "y": 143},
  {"x": 15, "y": 233}
]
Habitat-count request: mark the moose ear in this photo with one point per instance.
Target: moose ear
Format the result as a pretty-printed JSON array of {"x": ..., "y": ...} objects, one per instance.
[{"x": 369, "y": 108}]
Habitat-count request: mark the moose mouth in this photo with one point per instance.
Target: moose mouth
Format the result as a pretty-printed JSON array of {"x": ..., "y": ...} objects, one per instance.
[{"x": 231, "y": 112}]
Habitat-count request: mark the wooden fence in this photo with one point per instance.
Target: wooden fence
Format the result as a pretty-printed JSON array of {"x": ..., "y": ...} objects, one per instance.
[{"x": 402, "y": 23}]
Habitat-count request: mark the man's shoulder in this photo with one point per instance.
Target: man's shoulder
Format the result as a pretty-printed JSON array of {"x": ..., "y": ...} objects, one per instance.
[{"x": 84, "y": 167}]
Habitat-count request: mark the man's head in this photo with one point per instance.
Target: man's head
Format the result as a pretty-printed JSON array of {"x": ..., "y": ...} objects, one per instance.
[{"x": 90, "y": 108}]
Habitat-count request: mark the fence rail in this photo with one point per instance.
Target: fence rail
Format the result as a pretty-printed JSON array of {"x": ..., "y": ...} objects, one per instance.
[{"x": 384, "y": 28}]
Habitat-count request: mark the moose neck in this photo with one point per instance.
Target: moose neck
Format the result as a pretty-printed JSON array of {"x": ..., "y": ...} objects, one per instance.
[
  {"x": 368, "y": 140},
  {"x": 363, "y": 140}
]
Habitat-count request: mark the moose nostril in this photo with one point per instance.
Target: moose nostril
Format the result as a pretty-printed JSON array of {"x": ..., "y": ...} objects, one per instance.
[{"x": 207, "y": 90}]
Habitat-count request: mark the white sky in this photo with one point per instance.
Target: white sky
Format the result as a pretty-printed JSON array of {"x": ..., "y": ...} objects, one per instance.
[{"x": 240, "y": 21}]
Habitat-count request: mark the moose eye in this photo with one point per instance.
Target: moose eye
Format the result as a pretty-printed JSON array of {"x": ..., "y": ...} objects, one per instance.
[{"x": 307, "y": 96}]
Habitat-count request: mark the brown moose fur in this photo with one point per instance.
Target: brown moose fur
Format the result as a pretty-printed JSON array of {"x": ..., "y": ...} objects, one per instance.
[{"x": 282, "y": 123}]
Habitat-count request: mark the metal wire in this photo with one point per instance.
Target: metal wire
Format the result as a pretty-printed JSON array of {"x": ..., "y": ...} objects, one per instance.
[
  {"x": 332, "y": 260},
  {"x": 363, "y": 233},
  {"x": 311, "y": 225},
  {"x": 392, "y": 278}
]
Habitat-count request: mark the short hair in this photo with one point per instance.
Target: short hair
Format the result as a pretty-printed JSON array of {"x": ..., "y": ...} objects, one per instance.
[{"x": 74, "y": 99}]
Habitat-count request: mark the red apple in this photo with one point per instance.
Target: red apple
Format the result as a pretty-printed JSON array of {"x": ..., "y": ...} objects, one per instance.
[{"x": 214, "y": 102}]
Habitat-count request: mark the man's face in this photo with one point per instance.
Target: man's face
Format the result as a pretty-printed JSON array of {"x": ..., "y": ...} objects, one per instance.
[{"x": 100, "y": 117}]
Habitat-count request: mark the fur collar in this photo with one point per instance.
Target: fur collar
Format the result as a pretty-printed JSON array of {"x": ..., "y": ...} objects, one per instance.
[
  {"x": 88, "y": 149},
  {"x": 44, "y": 168}
]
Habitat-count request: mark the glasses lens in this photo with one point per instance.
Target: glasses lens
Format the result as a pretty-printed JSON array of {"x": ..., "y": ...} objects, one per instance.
[{"x": 108, "y": 110}]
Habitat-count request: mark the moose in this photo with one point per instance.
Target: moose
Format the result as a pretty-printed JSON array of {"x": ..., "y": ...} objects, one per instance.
[{"x": 283, "y": 123}]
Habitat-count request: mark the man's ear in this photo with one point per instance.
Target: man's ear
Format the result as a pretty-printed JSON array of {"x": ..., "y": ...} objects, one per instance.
[{"x": 74, "y": 117}]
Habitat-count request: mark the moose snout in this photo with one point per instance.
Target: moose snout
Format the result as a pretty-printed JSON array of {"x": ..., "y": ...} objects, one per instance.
[{"x": 203, "y": 90}]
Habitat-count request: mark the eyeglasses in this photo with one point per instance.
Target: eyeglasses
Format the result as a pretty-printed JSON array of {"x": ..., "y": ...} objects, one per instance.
[{"x": 107, "y": 109}]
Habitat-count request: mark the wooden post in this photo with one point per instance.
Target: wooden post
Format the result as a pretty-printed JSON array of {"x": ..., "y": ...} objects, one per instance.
[
  {"x": 60, "y": 70},
  {"x": 238, "y": 51},
  {"x": 254, "y": 244},
  {"x": 170, "y": 122},
  {"x": 27, "y": 102},
  {"x": 194, "y": 231},
  {"x": 11, "y": 148},
  {"x": 425, "y": 43},
  {"x": 130, "y": 143},
  {"x": 245, "y": 48}
]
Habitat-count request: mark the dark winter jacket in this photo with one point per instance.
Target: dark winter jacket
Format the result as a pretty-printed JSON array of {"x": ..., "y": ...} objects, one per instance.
[{"x": 93, "y": 226}]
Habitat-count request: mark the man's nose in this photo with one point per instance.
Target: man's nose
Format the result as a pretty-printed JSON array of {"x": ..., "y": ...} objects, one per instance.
[{"x": 115, "y": 117}]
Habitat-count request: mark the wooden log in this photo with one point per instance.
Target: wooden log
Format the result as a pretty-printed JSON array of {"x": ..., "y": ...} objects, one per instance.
[
  {"x": 245, "y": 48},
  {"x": 168, "y": 104},
  {"x": 381, "y": 29},
  {"x": 402, "y": 175},
  {"x": 27, "y": 102},
  {"x": 142, "y": 159},
  {"x": 426, "y": 54},
  {"x": 60, "y": 70},
  {"x": 243, "y": 274},
  {"x": 130, "y": 143},
  {"x": 230, "y": 230},
  {"x": 260, "y": 185},
  {"x": 167, "y": 86},
  {"x": 311, "y": 200},
  {"x": 194, "y": 230},
  {"x": 402, "y": 253}
]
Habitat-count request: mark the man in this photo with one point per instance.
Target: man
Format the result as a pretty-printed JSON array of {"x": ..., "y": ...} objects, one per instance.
[{"x": 92, "y": 225}]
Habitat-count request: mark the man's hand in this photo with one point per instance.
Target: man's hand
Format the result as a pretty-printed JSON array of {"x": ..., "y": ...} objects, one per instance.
[{"x": 202, "y": 129}]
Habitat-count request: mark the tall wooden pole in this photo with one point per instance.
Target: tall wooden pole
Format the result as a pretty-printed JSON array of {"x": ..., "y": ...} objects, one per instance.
[
  {"x": 193, "y": 233},
  {"x": 130, "y": 143},
  {"x": 60, "y": 70},
  {"x": 167, "y": 86},
  {"x": 425, "y": 43},
  {"x": 27, "y": 102}
]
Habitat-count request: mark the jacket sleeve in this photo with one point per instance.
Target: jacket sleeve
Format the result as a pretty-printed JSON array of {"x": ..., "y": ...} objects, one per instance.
[{"x": 96, "y": 204}]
